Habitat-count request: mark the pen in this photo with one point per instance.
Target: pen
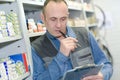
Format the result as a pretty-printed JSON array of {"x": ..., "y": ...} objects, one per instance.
[
  {"x": 63, "y": 34},
  {"x": 68, "y": 36}
]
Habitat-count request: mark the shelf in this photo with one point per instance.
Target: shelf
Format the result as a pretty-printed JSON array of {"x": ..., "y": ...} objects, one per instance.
[
  {"x": 75, "y": 8},
  {"x": 89, "y": 11},
  {"x": 40, "y": 4},
  {"x": 35, "y": 3},
  {"x": 92, "y": 25},
  {"x": 32, "y": 5},
  {"x": 35, "y": 34},
  {"x": 6, "y": 39},
  {"x": 7, "y": 0}
]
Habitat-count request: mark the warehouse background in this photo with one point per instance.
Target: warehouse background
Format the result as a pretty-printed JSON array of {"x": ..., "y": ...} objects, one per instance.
[{"x": 113, "y": 32}]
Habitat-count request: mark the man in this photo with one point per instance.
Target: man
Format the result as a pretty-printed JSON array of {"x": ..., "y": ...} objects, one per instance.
[{"x": 51, "y": 51}]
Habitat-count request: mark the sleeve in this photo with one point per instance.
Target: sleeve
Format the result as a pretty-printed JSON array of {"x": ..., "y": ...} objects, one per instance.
[
  {"x": 100, "y": 58},
  {"x": 55, "y": 70}
]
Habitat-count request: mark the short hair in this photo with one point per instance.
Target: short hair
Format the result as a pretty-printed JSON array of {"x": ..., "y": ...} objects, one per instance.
[{"x": 47, "y": 1}]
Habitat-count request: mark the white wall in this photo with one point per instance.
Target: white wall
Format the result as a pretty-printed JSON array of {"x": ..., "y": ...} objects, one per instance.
[{"x": 113, "y": 33}]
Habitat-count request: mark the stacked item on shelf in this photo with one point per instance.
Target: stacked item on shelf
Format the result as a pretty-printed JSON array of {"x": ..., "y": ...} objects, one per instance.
[
  {"x": 35, "y": 27},
  {"x": 74, "y": 4},
  {"x": 88, "y": 6},
  {"x": 3, "y": 31},
  {"x": 70, "y": 22},
  {"x": 12, "y": 67},
  {"x": 12, "y": 24},
  {"x": 9, "y": 25},
  {"x": 77, "y": 22},
  {"x": 31, "y": 25},
  {"x": 91, "y": 20}
]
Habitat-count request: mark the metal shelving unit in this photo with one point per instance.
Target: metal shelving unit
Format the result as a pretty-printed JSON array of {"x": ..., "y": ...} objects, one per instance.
[{"x": 12, "y": 45}]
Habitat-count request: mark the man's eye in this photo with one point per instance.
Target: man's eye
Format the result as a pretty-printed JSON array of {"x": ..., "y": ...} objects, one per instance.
[
  {"x": 53, "y": 19},
  {"x": 63, "y": 19}
]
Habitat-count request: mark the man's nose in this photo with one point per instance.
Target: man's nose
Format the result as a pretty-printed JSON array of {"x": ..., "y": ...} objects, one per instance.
[{"x": 58, "y": 24}]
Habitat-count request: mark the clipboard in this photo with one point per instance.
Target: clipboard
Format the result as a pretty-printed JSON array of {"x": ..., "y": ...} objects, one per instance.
[{"x": 80, "y": 72}]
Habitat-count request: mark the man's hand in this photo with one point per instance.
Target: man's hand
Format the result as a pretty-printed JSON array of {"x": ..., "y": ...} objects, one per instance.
[
  {"x": 99, "y": 76},
  {"x": 67, "y": 45}
]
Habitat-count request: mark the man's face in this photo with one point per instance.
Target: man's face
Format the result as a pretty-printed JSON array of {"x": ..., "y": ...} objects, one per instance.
[{"x": 55, "y": 18}]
